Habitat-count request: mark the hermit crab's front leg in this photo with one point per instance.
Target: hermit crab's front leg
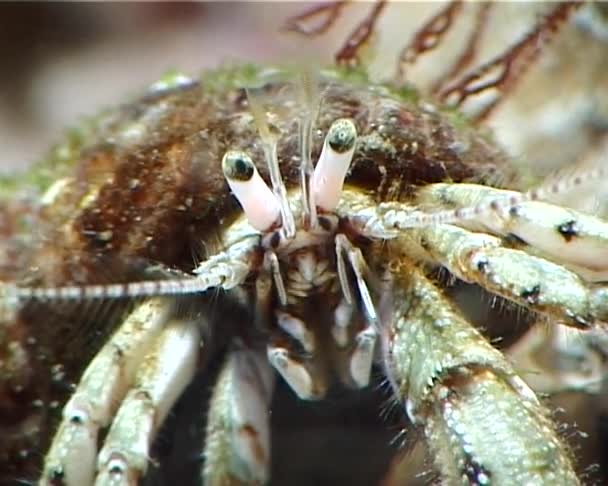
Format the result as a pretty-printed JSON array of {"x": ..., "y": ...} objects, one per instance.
[
  {"x": 154, "y": 357},
  {"x": 482, "y": 423},
  {"x": 165, "y": 372},
  {"x": 71, "y": 458},
  {"x": 528, "y": 280},
  {"x": 565, "y": 236},
  {"x": 237, "y": 445},
  {"x": 563, "y": 253}
]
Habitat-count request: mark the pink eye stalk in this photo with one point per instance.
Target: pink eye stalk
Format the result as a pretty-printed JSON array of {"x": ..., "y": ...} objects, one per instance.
[
  {"x": 330, "y": 172},
  {"x": 256, "y": 198}
]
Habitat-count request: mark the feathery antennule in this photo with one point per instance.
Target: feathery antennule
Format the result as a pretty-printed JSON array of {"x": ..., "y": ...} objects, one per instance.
[
  {"x": 255, "y": 197},
  {"x": 309, "y": 92},
  {"x": 560, "y": 183},
  {"x": 335, "y": 159},
  {"x": 269, "y": 145},
  {"x": 271, "y": 262},
  {"x": 344, "y": 248}
]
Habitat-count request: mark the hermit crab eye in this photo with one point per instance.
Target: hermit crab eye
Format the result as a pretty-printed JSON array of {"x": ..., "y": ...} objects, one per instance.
[
  {"x": 333, "y": 164},
  {"x": 342, "y": 136},
  {"x": 238, "y": 166},
  {"x": 255, "y": 197}
]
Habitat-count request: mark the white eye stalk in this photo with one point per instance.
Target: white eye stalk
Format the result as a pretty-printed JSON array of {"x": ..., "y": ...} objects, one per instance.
[
  {"x": 255, "y": 197},
  {"x": 330, "y": 172}
]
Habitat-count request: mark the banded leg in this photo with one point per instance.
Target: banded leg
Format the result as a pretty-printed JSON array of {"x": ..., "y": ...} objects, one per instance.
[
  {"x": 482, "y": 423},
  {"x": 514, "y": 274},
  {"x": 561, "y": 234},
  {"x": 163, "y": 375},
  {"x": 71, "y": 458},
  {"x": 237, "y": 445},
  {"x": 568, "y": 237}
]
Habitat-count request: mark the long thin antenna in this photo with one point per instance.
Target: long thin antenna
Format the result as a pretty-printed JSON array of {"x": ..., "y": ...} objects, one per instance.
[
  {"x": 269, "y": 145},
  {"x": 393, "y": 216},
  {"x": 226, "y": 270}
]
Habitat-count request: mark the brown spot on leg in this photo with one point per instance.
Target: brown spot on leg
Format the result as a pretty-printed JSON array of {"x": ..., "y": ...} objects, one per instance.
[
  {"x": 568, "y": 230},
  {"x": 250, "y": 435},
  {"x": 531, "y": 295}
]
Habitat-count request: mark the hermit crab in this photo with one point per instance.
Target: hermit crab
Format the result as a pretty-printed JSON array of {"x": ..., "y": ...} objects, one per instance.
[{"x": 276, "y": 225}]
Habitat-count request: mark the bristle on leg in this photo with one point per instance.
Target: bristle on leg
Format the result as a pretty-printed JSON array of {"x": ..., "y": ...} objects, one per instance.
[
  {"x": 335, "y": 159},
  {"x": 255, "y": 197}
]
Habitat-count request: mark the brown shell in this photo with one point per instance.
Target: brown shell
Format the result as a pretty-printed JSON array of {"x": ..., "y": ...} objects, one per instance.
[{"x": 154, "y": 168}]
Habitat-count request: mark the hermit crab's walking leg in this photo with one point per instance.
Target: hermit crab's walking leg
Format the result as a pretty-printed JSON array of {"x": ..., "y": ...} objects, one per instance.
[
  {"x": 514, "y": 274},
  {"x": 561, "y": 234},
  {"x": 578, "y": 242},
  {"x": 237, "y": 446},
  {"x": 71, "y": 458},
  {"x": 482, "y": 423},
  {"x": 161, "y": 378}
]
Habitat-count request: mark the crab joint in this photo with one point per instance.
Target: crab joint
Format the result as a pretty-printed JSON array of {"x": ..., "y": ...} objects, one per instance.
[
  {"x": 255, "y": 197},
  {"x": 333, "y": 164},
  {"x": 294, "y": 373}
]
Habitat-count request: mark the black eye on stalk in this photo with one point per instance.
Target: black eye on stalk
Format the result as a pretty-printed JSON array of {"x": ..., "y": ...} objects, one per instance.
[
  {"x": 342, "y": 135},
  {"x": 237, "y": 166}
]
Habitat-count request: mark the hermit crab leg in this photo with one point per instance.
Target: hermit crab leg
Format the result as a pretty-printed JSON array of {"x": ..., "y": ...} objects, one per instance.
[
  {"x": 161, "y": 378},
  {"x": 514, "y": 274},
  {"x": 563, "y": 234},
  {"x": 482, "y": 423},
  {"x": 237, "y": 445},
  {"x": 71, "y": 458}
]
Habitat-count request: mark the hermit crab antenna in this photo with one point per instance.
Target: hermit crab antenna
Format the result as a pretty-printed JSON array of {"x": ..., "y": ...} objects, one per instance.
[
  {"x": 310, "y": 109},
  {"x": 269, "y": 145},
  {"x": 333, "y": 164},
  {"x": 257, "y": 200}
]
